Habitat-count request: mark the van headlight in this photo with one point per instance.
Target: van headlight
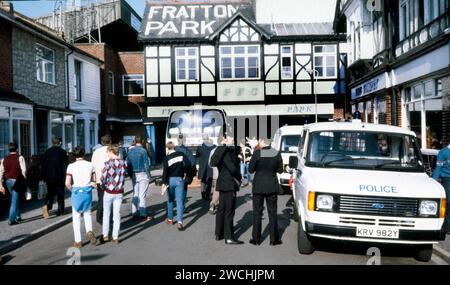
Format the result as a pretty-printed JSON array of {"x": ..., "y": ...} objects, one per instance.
[
  {"x": 428, "y": 208},
  {"x": 324, "y": 202}
]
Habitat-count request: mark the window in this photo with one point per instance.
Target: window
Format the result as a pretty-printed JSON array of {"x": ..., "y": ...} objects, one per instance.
[
  {"x": 45, "y": 64},
  {"x": 111, "y": 83},
  {"x": 325, "y": 61},
  {"x": 377, "y": 27},
  {"x": 425, "y": 113},
  {"x": 92, "y": 132},
  {"x": 78, "y": 85},
  {"x": 62, "y": 127},
  {"x": 186, "y": 60},
  {"x": 133, "y": 85},
  {"x": 80, "y": 133},
  {"x": 4, "y": 136},
  {"x": 239, "y": 62},
  {"x": 287, "y": 71}
]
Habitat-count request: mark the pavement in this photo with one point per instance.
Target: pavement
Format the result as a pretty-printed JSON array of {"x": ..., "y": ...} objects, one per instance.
[
  {"x": 34, "y": 225},
  {"x": 157, "y": 243}
]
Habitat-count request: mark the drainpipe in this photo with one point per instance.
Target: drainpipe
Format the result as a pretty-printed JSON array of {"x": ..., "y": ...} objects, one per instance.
[{"x": 67, "y": 79}]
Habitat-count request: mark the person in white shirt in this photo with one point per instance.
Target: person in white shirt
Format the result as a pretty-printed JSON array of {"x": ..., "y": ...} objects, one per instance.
[
  {"x": 99, "y": 157},
  {"x": 80, "y": 180}
]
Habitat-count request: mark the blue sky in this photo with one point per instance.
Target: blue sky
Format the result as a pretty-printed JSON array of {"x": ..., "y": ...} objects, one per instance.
[{"x": 38, "y": 8}]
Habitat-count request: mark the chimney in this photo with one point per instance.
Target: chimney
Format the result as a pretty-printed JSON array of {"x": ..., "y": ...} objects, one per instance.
[{"x": 7, "y": 7}]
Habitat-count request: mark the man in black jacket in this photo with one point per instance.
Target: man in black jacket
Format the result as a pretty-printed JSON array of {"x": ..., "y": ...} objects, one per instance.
[
  {"x": 176, "y": 167},
  {"x": 226, "y": 159},
  {"x": 54, "y": 165},
  {"x": 266, "y": 162},
  {"x": 204, "y": 170}
]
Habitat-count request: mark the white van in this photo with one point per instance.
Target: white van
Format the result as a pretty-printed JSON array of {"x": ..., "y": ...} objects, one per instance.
[
  {"x": 364, "y": 182},
  {"x": 286, "y": 140}
]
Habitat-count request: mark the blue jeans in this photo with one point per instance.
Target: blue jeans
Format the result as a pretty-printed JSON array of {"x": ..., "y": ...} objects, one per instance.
[
  {"x": 175, "y": 192},
  {"x": 14, "y": 212},
  {"x": 245, "y": 174},
  {"x": 446, "y": 183}
]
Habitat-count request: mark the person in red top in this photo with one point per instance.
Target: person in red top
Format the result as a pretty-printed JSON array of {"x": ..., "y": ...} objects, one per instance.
[{"x": 11, "y": 168}]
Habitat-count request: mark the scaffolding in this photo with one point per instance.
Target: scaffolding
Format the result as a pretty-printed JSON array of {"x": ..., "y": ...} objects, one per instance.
[{"x": 78, "y": 20}]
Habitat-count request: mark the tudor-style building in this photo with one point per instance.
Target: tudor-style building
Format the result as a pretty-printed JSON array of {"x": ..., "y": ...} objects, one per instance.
[{"x": 218, "y": 55}]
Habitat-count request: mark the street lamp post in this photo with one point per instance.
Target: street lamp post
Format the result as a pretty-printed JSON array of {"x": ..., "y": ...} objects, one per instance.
[{"x": 315, "y": 73}]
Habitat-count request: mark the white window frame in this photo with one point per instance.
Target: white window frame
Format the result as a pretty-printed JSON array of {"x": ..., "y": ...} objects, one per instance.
[
  {"x": 111, "y": 88},
  {"x": 40, "y": 60},
  {"x": 289, "y": 55},
  {"x": 246, "y": 55},
  {"x": 63, "y": 123},
  {"x": 324, "y": 56},
  {"x": 76, "y": 87},
  {"x": 186, "y": 57},
  {"x": 123, "y": 85}
]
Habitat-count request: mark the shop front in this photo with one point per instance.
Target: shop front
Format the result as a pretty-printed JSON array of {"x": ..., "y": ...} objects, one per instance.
[{"x": 55, "y": 123}]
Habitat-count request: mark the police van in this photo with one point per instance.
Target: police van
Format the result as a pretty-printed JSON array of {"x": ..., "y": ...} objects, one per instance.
[
  {"x": 365, "y": 183},
  {"x": 286, "y": 140}
]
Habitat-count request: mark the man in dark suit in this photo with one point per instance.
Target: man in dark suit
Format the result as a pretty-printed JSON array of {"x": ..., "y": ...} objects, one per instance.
[
  {"x": 225, "y": 158},
  {"x": 54, "y": 165},
  {"x": 266, "y": 162},
  {"x": 204, "y": 170}
]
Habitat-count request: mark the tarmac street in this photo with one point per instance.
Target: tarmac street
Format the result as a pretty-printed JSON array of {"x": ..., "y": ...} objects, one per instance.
[{"x": 155, "y": 242}]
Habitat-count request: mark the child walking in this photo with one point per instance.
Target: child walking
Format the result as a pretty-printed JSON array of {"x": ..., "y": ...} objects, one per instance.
[
  {"x": 80, "y": 179},
  {"x": 112, "y": 180}
]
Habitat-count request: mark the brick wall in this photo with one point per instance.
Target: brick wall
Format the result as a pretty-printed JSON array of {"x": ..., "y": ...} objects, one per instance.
[
  {"x": 6, "y": 81},
  {"x": 399, "y": 107},
  {"x": 117, "y": 105},
  {"x": 388, "y": 107},
  {"x": 24, "y": 71}
]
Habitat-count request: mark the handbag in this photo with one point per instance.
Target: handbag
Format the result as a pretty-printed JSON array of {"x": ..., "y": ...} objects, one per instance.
[{"x": 20, "y": 186}]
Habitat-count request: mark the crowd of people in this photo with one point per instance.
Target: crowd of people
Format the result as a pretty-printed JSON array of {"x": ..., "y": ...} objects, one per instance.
[{"x": 222, "y": 170}]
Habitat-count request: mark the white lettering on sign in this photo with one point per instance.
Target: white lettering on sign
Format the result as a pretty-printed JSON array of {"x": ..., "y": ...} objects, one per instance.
[
  {"x": 240, "y": 91},
  {"x": 186, "y": 19}
]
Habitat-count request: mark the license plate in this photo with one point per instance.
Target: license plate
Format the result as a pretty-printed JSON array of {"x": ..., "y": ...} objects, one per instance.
[{"x": 377, "y": 232}]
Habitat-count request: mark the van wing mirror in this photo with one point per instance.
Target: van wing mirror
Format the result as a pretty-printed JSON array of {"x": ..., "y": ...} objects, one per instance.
[{"x": 293, "y": 162}]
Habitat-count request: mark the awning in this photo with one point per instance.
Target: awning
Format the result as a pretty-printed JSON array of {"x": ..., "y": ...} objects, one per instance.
[
  {"x": 124, "y": 119},
  {"x": 62, "y": 110},
  {"x": 11, "y": 96}
]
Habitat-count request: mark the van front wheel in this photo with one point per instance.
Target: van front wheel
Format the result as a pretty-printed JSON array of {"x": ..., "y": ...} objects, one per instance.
[
  {"x": 424, "y": 252},
  {"x": 304, "y": 243}
]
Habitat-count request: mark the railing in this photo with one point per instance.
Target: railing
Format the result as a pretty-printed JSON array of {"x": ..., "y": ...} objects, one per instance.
[{"x": 430, "y": 31}]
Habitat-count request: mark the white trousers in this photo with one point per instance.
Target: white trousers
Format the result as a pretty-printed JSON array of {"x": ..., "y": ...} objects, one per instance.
[
  {"x": 114, "y": 201},
  {"x": 76, "y": 217},
  {"x": 140, "y": 186}
]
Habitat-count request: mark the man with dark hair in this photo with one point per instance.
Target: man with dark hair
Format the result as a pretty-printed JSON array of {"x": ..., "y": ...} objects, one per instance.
[
  {"x": 54, "y": 165},
  {"x": 138, "y": 164},
  {"x": 225, "y": 158},
  {"x": 11, "y": 168},
  {"x": 99, "y": 157}
]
